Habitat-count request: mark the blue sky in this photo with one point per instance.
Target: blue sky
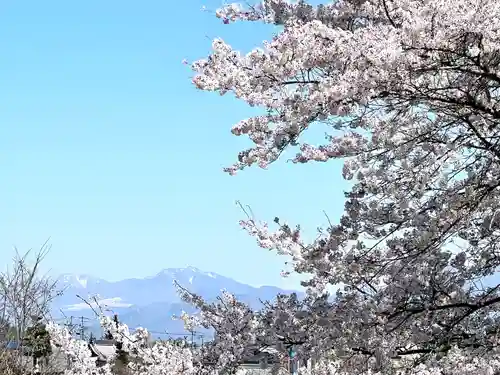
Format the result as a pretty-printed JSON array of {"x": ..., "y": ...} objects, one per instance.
[{"x": 109, "y": 150}]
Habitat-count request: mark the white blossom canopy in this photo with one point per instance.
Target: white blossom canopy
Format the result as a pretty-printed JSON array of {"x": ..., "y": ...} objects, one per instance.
[{"x": 410, "y": 89}]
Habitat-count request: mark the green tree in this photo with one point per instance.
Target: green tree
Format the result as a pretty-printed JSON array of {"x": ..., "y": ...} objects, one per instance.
[
  {"x": 37, "y": 338},
  {"x": 121, "y": 355}
]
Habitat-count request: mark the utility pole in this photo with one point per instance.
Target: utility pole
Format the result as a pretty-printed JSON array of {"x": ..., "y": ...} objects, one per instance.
[
  {"x": 70, "y": 324},
  {"x": 77, "y": 329},
  {"x": 293, "y": 360},
  {"x": 82, "y": 329}
]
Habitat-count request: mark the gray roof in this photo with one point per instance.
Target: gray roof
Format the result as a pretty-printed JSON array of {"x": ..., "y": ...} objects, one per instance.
[{"x": 103, "y": 351}]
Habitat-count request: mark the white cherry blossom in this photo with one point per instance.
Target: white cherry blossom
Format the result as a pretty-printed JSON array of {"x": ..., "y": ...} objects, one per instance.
[{"x": 410, "y": 89}]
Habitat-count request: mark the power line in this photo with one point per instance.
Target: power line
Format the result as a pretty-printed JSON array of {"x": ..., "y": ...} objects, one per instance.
[
  {"x": 194, "y": 335},
  {"x": 79, "y": 327},
  {"x": 82, "y": 328},
  {"x": 177, "y": 333}
]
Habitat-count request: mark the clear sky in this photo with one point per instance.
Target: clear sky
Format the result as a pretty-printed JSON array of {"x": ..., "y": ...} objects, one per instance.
[{"x": 109, "y": 150}]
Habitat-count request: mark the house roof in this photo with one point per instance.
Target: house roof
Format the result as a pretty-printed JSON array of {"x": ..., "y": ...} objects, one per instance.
[{"x": 103, "y": 352}]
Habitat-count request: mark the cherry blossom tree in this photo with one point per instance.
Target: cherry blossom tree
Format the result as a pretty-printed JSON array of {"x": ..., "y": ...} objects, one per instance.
[
  {"x": 160, "y": 359},
  {"x": 410, "y": 90}
]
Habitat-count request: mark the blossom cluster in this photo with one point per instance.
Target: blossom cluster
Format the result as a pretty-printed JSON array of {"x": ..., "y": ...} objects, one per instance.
[
  {"x": 411, "y": 92},
  {"x": 162, "y": 358},
  {"x": 77, "y": 352}
]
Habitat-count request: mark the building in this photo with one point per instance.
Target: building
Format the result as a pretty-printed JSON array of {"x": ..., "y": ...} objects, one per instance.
[{"x": 102, "y": 350}]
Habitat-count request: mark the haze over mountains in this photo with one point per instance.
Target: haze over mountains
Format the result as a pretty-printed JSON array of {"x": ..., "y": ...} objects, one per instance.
[{"x": 152, "y": 302}]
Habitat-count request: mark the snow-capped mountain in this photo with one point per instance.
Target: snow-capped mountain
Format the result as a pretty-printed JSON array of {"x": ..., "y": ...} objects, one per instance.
[
  {"x": 152, "y": 301},
  {"x": 76, "y": 281}
]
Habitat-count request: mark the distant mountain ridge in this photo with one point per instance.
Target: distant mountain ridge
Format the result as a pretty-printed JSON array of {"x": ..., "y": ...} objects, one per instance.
[{"x": 151, "y": 302}]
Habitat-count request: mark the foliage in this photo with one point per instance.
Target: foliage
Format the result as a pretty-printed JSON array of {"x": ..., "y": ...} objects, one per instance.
[
  {"x": 181, "y": 342},
  {"x": 37, "y": 338}
]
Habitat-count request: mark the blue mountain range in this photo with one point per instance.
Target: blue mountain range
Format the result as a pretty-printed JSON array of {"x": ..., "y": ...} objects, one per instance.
[{"x": 151, "y": 302}]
